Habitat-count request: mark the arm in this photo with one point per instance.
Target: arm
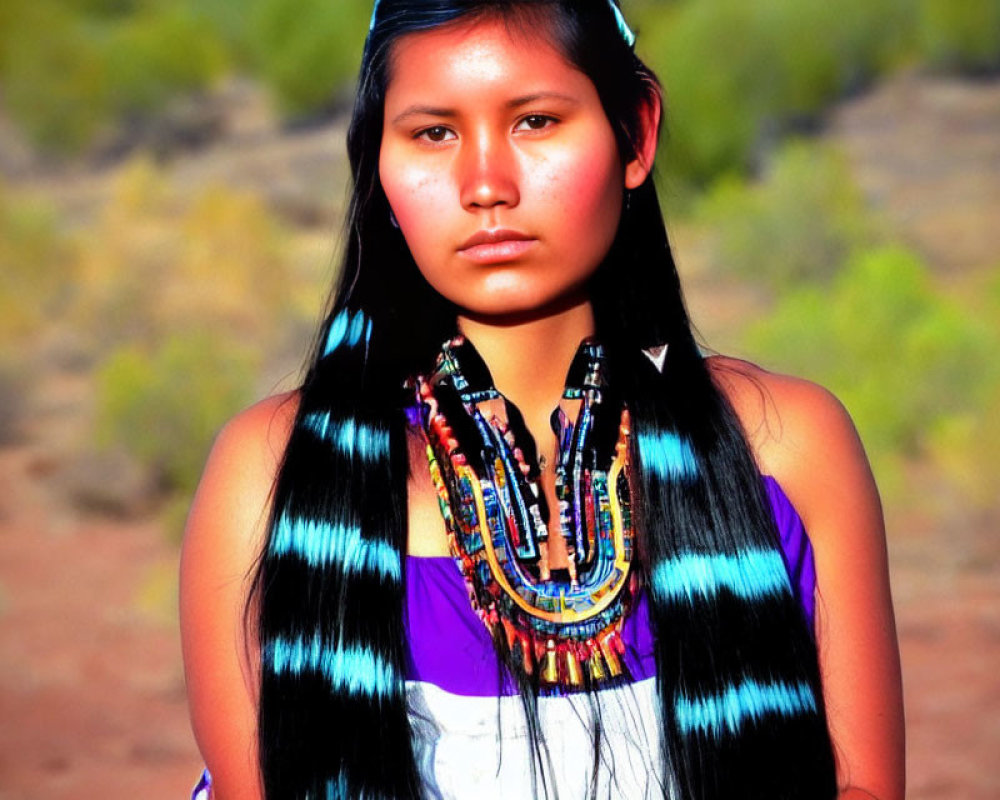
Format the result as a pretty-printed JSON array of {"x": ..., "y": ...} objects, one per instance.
[
  {"x": 804, "y": 437},
  {"x": 824, "y": 469},
  {"x": 223, "y": 536}
]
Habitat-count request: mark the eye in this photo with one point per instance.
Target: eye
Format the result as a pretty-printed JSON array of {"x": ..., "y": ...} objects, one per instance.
[
  {"x": 436, "y": 134},
  {"x": 536, "y": 122}
]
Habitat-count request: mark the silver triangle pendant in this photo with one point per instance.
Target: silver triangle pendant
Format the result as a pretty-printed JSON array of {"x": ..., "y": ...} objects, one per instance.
[{"x": 658, "y": 355}]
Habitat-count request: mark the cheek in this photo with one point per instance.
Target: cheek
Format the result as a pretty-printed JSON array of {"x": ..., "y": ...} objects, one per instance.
[
  {"x": 583, "y": 192},
  {"x": 414, "y": 194}
]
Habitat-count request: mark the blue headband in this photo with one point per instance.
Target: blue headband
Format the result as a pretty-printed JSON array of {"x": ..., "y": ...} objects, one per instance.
[{"x": 623, "y": 27}]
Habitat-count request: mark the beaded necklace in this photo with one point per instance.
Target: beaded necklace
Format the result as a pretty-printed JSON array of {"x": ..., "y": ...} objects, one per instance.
[{"x": 562, "y": 626}]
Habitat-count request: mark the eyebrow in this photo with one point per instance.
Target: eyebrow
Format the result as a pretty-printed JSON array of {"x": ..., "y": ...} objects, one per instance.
[{"x": 517, "y": 102}]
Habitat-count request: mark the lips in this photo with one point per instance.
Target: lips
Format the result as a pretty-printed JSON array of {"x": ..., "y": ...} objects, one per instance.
[
  {"x": 496, "y": 246},
  {"x": 492, "y": 237}
]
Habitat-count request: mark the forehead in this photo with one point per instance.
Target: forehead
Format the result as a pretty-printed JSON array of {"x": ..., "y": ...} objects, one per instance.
[{"x": 477, "y": 56}]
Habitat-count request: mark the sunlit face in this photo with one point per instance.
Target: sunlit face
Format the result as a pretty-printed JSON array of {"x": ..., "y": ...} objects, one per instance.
[{"x": 498, "y": 135}]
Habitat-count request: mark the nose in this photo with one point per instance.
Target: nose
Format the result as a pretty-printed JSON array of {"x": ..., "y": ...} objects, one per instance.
[{"x": 488, "y": 173}]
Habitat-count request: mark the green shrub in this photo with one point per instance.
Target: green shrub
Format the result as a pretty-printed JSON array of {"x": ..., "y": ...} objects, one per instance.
[
  {"x": 69, "y": 70},
  {"x": 966, "y": 449},
  {"x": 904, "y": 359},
  {"x": 801, "y": 221},
  {"x": 823, "y": 50},
  {"x": 961, "y": 34},
  {"x": 56, "y": 83},
  {"x": 158, "y": 54},
  {"x": 158, "y": 261},
  {"x": 35, "y": 264},
  {"x": 305, "y": 50},
  {"x": 702, "y": 57},
  {"x": 737, "y": 74},
  {"x": 163, "y": 406},
  {"x": 108, "y": 9},
  {"x": 228, "y": 21},
  {"x": 967, "y": 446}
]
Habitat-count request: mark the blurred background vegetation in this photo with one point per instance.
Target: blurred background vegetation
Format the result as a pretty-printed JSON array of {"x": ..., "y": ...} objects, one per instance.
[{"x": 172, "y": 179}]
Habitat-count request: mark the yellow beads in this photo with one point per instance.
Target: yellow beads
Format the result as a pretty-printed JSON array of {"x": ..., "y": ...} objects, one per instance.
[
  {"x": 574, "y": 675},
  {"x": 550, "y": 664}
]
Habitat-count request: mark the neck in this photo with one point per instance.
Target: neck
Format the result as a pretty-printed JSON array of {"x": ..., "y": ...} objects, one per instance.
[{"x": 529, "y": 359}]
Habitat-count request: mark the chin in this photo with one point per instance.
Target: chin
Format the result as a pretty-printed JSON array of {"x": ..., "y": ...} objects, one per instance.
[{"x": 513, "y": 309}]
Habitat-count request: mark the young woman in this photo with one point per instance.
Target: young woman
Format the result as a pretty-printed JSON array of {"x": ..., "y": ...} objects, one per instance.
[{"x": 514, "y": 535}]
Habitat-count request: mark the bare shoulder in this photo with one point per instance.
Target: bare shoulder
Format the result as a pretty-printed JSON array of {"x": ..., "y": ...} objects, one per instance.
[
  {"x": 233, "y": 495},
  {"x": 235, "y": 485},
  {"x": 260, "y": 432},
  {"x": 799, "y": 431},
  {"x": 226, "y": 522},
  {"x": 803, "y": 436},
  {"x": 225, "y": 531}
]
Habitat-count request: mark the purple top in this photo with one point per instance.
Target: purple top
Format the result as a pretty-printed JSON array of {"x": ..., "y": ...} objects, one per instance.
[{"x": 450, "y": 647}]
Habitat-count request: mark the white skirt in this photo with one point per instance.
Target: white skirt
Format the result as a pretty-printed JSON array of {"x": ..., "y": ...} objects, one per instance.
[{"x": 477, "y": 748}]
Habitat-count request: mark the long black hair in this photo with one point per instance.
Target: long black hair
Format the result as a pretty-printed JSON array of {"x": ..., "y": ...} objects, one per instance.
[{"x": 737, "y": 670}]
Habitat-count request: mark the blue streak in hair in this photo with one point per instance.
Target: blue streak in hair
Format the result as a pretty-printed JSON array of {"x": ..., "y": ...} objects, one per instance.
[
  {"x": 726, "y": 711},
  {"x": 750, "y": 574},
  {"x": 347, "y": 329},
  {"x": 336, "y": 788},
  {"x": 349, "y": 436},
  {"x": 357, "y": 328},
  {"x": 336, "y": 334},
  {"x": 321, "y": 543},
  {"x": 371, "y": 24},
  {"x": 668, "y": 455},
  {"x": 348, "y": 668},
  {"x": 623, "y": 27}
]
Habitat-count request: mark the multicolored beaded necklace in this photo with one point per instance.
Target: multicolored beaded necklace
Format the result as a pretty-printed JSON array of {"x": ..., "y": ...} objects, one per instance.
[{"x": 562, "y": 625}]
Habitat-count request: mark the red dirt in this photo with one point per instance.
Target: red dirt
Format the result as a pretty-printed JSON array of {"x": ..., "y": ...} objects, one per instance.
[{"x": 91, "y": 688}]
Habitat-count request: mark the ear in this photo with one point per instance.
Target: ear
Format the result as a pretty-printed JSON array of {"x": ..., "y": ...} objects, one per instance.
[{"x": 638, "y": 168}]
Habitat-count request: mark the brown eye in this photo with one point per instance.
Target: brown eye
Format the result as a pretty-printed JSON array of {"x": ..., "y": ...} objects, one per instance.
[
  {"x": 537, "y": 122},
  {"x": 438, "y": 133}
]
